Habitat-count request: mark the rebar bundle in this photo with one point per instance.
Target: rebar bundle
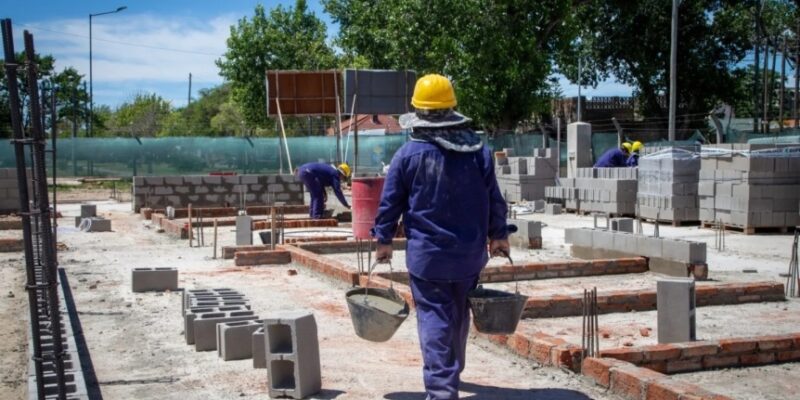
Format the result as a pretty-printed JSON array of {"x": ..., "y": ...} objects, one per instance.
[
  {"x": 38, "y": 234},
  {"x": 793, "y": 277},
  {"x": 590, "y": 340}
]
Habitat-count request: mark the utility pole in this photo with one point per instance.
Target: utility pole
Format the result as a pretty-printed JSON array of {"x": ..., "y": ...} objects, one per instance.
[
  {"x": 783, "y": 85},
  {"x": 189, "y": 100},
  {"x": 580, "y": 102},
  {"x": 673, "y": 67},
  {"x": 795, "y": 98},
  {"x": 765, "y": 101},
  {"x": 756, "y": 78}
]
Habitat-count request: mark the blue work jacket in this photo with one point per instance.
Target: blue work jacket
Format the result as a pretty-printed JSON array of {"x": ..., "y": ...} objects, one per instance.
[
  {"x": 450, "y": 205},
  {"x": 613, "y": 158},
  {"x": 633, "y": 161},
  {"x": 327, "y": 175}
]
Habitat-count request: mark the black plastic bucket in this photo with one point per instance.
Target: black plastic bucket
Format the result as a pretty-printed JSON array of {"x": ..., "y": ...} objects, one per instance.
[
  {"x": 494, "y": 311},
  {"x": 376, "y": 313}
]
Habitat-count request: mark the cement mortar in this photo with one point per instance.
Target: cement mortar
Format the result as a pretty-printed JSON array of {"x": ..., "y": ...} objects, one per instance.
[
  {"x": 137, "y": 345},
  {"x": 714, "y": 322},
  {"x": 771, "y": 382}
]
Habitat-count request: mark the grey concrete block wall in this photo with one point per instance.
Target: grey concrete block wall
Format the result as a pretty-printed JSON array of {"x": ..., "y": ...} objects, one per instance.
[
  {"x": 606, "y": 190},
  {"x": 668, "y": 185},
  {"x": 234, "y": 339},
  {"x": 675, "y": 250},
  {"x": 523, "y": 178},
  {"x": 750, "y": 186},
  {"x": 215, "y": 191},
  {"x": 154, "y": 279},
  {"x": 292, "y": 355},
  {"x": 9, "y": 190}
]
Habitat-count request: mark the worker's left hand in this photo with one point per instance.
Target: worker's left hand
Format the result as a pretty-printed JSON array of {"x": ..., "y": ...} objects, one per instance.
[
  {"x": 499, "y": 248},
  {"x": 383, "y": 253}
]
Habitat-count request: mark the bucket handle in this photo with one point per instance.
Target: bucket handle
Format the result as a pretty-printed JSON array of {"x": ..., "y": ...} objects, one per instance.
[
  {"x": 513, "y": 270},
  {"x": 369, "y": 277}
]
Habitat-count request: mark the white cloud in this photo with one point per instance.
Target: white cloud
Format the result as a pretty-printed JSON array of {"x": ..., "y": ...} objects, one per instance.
[{"x": 166, "y": 49}]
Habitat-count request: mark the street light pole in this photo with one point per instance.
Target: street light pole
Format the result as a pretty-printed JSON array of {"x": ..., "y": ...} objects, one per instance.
[
  {"x": 91, "y": 86},
  {"x": 673, "y": 67}
]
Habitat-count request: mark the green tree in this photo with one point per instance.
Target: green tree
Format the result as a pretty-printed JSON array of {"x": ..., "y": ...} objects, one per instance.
[
  {"x": 229, "y": 121},
  {"x": 72, "y": 98},
  {"x": 45, "y": 67},
  {"x": 499, "y": 54},
  {"x": 143, "y": 116},
  {"x": 286, "y": 38},
  {"x": 630, "y": 41}
]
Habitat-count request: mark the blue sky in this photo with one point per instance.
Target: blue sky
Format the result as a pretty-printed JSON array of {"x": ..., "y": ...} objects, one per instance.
[{"x": 153, "y": 45}]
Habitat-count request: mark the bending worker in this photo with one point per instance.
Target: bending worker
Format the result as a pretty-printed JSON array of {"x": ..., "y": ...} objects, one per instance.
[
  {"x": 443, "y": 184},
  {"x": 633, "y": 160},
  {"x": 316, "y": 176},
  {"x": 615, "y": 158}
]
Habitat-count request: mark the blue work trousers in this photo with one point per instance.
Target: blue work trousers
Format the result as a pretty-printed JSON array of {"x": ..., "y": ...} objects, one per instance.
[
  {"x": 317, "y": 192},
  {"x": 443, "y": 323}
]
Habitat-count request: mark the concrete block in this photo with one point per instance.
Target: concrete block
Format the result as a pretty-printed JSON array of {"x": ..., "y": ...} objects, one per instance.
[
  {"x": 649, "y": 246},
  {"x": 292, "y": 350},
  {"x": 603, "y": 240},
  {"x": 235, "y": 339},
  {"x": 154, "y": 279},
  {"x": 88, "y": 210},
  {"x": 190, "y": 314},
  {"x": 259, "y": 351},
  {"x": 97, "y": 224},
  {"x": 552, "y": 209},
  {"x": 244, "y": 230},
  {"x": 676, "y": 305},
  {"x": 579, "y": 237},
  {"x": 205, "y": 326},
  {"x": 622, "y": 224}
]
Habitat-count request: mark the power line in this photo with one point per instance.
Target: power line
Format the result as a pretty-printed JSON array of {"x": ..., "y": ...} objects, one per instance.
[{"x": 145, "y": 46}]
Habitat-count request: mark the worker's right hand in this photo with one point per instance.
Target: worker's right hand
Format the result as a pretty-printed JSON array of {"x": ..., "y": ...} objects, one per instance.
[{"x": 384, "y": 253}]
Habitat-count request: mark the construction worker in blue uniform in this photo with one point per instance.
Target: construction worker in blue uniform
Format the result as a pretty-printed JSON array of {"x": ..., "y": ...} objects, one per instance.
[
  {"x": 633, "y": 159},
  {"x": 442, "y": 182},
  {"x": 615, "y": 158},
  {"x": 316, "y": 177}
]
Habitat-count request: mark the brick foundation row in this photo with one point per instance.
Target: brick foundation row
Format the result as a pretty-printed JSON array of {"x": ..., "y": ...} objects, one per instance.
[
  {"x": 345, "y": 247},
  {"x": 633, "y": 383},
  {"x": 298, "y": 223},
  {"x": 564, "y": 269},
  {"x": 11, "y": 245},
  {"x": 9, "y": 223},
  {"x": 710, "y": 354},
  {"x": 322, "y": 264},
  {"x": 645, "y": 300},
  {"x": 217, "y": 212},
  {"x": 262, "y": 257}
]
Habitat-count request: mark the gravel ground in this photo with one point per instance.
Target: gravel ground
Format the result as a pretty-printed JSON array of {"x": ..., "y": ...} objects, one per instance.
[
  {"x": 138, "y": 350},
  {"x": 14, "y": 326}
]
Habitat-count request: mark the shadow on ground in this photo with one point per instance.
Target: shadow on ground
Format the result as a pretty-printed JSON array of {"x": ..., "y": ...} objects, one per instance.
[{"x": 478, "y": 392}]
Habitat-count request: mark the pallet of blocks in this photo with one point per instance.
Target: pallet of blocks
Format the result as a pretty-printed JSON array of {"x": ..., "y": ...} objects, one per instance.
[
  {"x": 668, "y": 180},
  {"x": 750, "y": 187},
  {"x": 605, "y": 190},
  {"x": 524, "y": 178}
]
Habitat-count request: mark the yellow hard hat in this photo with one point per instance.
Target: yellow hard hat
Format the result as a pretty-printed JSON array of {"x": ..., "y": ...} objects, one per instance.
[
  {"x": 636, "y": 146},
  {"x": 627, "y": 146},
  {"x": 344, "y": 169},
  {"x": 433, "y": 92}
]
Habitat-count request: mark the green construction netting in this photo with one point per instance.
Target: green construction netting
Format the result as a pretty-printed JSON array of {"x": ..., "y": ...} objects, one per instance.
[{"x": 125, "y": 157}]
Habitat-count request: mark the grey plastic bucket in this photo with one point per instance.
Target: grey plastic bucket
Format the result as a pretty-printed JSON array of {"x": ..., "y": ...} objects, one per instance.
[
  {"x": 371, "y": 322},
  {"x": 496, "y": 312}
]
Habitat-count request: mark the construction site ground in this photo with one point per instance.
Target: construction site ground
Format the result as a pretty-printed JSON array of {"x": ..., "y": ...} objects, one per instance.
[{"x": 138, "y": 350}]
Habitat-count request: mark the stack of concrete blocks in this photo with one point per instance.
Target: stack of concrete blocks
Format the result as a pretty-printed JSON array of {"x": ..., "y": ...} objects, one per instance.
[
  {"x": 579, "y": 147},
  {"x": 154, "y": 279},
  {"x": 528, "y": 234},
  {"x": 214, "y": 191},
  {"x": 666, "y": 255},
  {"x": 95, "y": 223},
  {"x": 234, "y": 339},
  {"x": 204, "y": 309},
  {"x": 605, "y": 190},
  {"x": 668, "y": 186},
  {"x": 292, "y": 355},
  {"x": 9, "y": 190},
  {"x": 750, "y": 185},
  {"x": 524, "y": 178}
]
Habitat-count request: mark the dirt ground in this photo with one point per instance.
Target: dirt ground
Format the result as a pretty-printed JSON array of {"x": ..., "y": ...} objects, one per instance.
[
  {"x": 771, "y": 382},
  {"x": 137, "y": 346},
  {"x": 14, "y": 329}
]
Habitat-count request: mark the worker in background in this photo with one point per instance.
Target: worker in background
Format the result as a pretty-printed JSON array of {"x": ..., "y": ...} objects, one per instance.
[
  {"x": 633, "y": 159},
  {"x": 442, "y": 182},
  {"x": 615, "y": 158},
  {"x": 317, "y": 176}
]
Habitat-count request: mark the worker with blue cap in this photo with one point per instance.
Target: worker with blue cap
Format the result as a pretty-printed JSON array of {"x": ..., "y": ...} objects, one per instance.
[
  {"x": 615, "y": 158},
  {"x": 316, "y": 177},
  {"x": 442, "y": 182}
]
